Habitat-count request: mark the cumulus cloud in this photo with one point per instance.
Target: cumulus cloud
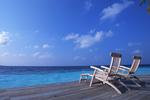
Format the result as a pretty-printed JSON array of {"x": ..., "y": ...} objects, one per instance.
[
  {"x": 78, "y": 58},
  {"x": 8, "y": 54},
  {"x": 88, "y": 40},
  {"x": 36, "y": 54},
  {"x": 88, "y": 5},
  {"x": 45, "y": 46},
  {"x": 41, "y": 55},
  {"x": 109, "y": 34},
  {"x": 115, "y": 9},
  {"x": 118, "y": 49},
  {"x": 4, "y": 38},
  {"x": 36, "y": 46},
  {"x": 130, "y": 44},
  {"x": 21, "y": 55},
  {"x": 71, "y": 36},
  {"x": 137, "y": 51},
  {"x": 4, "y": 54},
  {"x": 44, "y": 56}
]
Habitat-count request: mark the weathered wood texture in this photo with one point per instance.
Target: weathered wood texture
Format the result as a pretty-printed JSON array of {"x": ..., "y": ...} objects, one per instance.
[{"x": 76, "y": 91}]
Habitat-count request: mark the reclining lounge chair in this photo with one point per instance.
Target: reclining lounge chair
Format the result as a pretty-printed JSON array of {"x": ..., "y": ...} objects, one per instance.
[
  {"x": 128, "y": 73},
  {"x": 107, "y": 74}
]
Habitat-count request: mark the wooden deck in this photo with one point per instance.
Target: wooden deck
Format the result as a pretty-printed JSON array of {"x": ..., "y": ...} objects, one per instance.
[{"x": 76, "y": 91}]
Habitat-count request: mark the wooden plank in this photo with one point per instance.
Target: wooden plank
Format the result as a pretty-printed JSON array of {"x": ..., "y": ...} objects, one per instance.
[
  {"x": 84, "y": 94},
  {"x": 51, "y": 93},
  {"x": 75, "y": 91},
  {"x": 34, "y": 90}
]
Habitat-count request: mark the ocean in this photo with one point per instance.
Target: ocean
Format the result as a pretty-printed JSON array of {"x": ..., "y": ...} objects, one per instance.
[{"x": 20, "y": 76}]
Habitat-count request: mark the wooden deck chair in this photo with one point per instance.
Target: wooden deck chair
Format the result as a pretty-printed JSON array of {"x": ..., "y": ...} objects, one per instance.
[
  {"x": 128, "y": 73},
  {"x": 115, "y": 61},
  {"x": 85, "y": 77},
  {"x": 106, "y": 76}
]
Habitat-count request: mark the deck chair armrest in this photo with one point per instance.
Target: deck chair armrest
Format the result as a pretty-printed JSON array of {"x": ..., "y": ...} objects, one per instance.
[
  {"x": 95, "y": 68},
  {"x": 124, "y": 67},
  {"x": 104, "y": 67},
  {"x": 122, "y": 70}
]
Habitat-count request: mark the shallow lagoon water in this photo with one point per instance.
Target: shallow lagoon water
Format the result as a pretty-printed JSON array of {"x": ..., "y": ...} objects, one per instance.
[{"x": 28, "y": 76}]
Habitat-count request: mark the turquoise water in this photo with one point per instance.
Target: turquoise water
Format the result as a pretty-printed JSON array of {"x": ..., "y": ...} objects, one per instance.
[{"x": 19, "y": 77}]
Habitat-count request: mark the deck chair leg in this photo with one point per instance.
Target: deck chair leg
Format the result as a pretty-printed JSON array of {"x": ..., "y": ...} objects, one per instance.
[
  {"x": 140, "y": 81},
  {"x": 113, "y": 86},
  {"x": 80, "y": 79},
  {"x": 137, "y": 79},
  {"x": 83, "y": 77},
  {"x": 123, "y": 84},
  {"x": 136, "y": 83},
  {"x": 92, "y": 80},
  {"x": 93, "y": 76}
]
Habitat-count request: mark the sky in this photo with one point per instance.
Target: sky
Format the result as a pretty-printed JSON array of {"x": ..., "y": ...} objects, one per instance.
[{"x": 72, "y": 32}]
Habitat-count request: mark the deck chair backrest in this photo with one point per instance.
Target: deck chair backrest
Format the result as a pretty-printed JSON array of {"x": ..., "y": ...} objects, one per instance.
[
  {"x": 135, "y": 64},
  {"x": 115, "y": 63}
]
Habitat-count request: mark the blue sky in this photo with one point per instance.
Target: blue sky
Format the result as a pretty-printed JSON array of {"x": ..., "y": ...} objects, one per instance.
[{"x": 72, "y": 32}]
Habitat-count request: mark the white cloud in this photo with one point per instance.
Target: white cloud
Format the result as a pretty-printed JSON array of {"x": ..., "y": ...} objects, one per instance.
[
  {"x": 115, "y": 9},
  {"x": 78, "y": 58},
  {"x": 92, "y": 31},
  {"x": 118, "y": 49},
  {"x": 4, "y": 38},
  {"x": 109, "y": 34},
  {"x": 71, "y": 36},
  {"x": 4, "y": 54},
  {"x": 93, "y": 50},
  {"x": 130, "y": 44},
  {"x": 137, "y": 51},
  {"x": 44, "y": 56},
  {"x": 45, "y": 46},
  {"x": 88, "y": 40},
  {"x": 36, "y": 54},
  {"x": 88, "y": 5},
  {"x": 41, "y": 55},
  {"x": 36, "y": 46},
  {"x": 21, "y": 55}
]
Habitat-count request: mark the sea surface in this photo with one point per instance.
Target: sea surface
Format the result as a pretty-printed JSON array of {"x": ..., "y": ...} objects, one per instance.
[{"x": 20, "y": 76}]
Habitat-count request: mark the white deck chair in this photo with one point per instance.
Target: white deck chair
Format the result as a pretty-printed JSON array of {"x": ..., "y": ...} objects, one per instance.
[
  {"x": 115, "y": 61},
  {"x": 128, "y": 73},
  {"x": 106, "y": 75}
]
